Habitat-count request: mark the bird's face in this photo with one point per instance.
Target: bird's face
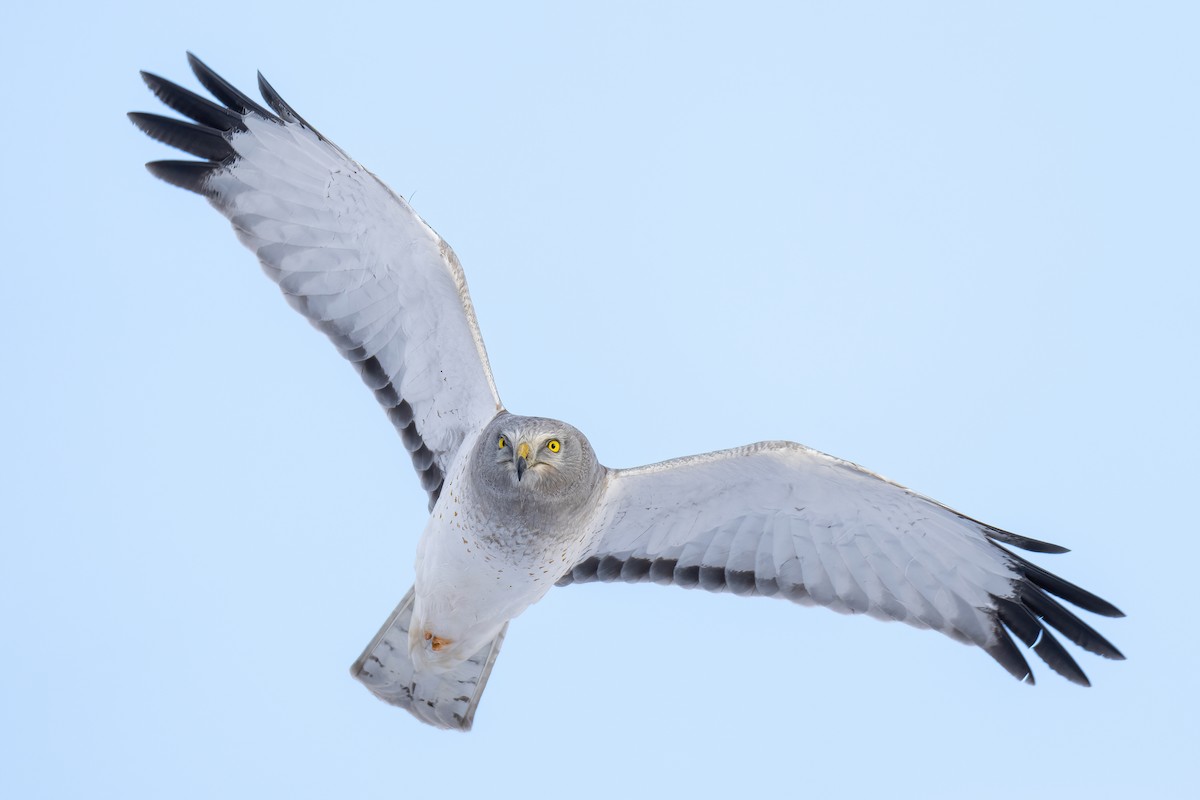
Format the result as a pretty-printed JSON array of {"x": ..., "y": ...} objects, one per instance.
[
  {"x": 534, "y": 454},
  {"x": 535, "y": 457}
]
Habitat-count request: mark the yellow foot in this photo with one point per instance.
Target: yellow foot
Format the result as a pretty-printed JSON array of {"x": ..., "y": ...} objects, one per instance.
[{"x": 436, "y": 642}]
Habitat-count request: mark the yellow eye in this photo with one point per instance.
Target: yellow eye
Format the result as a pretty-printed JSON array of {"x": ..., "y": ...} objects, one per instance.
[
  {"x": 502, "y": 443},
  {"x": 553, "y": 446}
]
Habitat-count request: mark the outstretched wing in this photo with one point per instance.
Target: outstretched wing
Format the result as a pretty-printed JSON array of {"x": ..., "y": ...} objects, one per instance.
[
  {"x": 348, "y": 254},
  {"x": 779, "y": 519}
]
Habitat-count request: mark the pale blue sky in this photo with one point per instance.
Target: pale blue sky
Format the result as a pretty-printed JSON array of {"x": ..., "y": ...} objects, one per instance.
[{"x": 955, "y": 243}]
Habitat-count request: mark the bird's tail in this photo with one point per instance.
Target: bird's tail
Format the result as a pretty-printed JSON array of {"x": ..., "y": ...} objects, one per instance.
[{"x": 444, "y": 699}]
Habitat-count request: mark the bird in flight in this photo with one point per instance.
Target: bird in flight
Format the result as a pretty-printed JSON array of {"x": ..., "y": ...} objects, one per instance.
[{"x": 520, "y": 504}]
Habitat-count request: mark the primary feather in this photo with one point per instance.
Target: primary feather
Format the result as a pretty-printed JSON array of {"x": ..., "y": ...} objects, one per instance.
[{"x": 347, "y": 253}]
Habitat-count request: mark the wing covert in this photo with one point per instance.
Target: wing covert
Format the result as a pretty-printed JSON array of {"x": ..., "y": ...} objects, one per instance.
[
  {"x": 779, "y": 519},
  {"x": 347, "y": 253}
]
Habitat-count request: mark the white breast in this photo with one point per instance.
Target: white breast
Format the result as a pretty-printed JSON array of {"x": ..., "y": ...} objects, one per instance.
[{"x": 479, "y": 565}]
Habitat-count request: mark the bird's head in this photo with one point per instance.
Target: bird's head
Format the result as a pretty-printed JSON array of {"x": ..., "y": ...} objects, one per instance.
[{"x": 536, "y": 458}]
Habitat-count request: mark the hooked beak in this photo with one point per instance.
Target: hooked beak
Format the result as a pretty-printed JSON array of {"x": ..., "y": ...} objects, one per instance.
[{"x": 522, "y": 459}]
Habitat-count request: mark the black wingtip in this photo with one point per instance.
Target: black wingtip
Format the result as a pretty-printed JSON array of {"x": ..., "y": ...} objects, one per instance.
[
  {"x": 1024, "y": 542},
  {"x": 1007, "y": 655},
  {"x": 281, "y": 106},
  {"x": 225, "y": 91},
  {"x": 274, "y": 100},
  {"x": 198, "y": 140},
  {"x": 1050, "y": 611},
  {"x": 190, "y": 175},
  {"x": 1027, "y": 627},
  {"x": 209, "y": 135},
  {"x": 192, "y": 105},
  {"x": 1065, "y": 589},
  {"x": 1059, "y": 660}
]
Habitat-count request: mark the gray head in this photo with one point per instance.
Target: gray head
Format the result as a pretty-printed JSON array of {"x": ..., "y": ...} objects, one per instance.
[{"x": 536, "y": 460}]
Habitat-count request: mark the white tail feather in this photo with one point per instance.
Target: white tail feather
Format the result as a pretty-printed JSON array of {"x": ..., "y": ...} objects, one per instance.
[{"x": 445, "y": 699}]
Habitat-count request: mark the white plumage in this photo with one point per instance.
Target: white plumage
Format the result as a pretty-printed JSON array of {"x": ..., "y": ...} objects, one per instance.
[{"x": 519, "y": 504}]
